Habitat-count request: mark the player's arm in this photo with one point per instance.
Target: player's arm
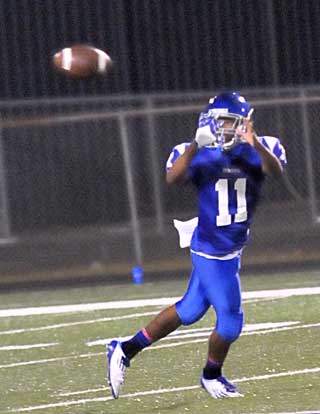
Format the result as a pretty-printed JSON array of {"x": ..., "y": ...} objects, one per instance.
[
  {"x": 270, "y": 163},
  {"x": 178, "y": 172}
]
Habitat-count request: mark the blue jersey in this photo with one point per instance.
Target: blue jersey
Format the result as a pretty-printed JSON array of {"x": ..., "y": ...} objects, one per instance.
[{"x": 228, "y": 185}]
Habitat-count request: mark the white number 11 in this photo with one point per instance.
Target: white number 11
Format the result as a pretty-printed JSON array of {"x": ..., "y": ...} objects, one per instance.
[{"x": 224, "y": 217}]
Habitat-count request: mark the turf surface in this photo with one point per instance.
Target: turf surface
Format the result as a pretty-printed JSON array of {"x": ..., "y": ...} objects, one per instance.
[{"x": 277, "y": 367}]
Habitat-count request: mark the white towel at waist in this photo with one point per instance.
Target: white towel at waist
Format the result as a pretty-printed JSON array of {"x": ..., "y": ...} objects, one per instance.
[{"x": 185, "y": 230}]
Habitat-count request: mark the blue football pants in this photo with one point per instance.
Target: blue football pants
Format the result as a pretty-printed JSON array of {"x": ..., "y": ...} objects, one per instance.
[{"x": 214, "y": 283}]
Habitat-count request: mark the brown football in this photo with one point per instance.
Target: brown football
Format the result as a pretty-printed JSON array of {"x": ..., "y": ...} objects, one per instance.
[{"x": 82, "y": 61}]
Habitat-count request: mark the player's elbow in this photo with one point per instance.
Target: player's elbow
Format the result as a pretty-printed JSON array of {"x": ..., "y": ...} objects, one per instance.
[
  {"x": 279, "y": 172},
  {"x": 274, "y": 171},
  {"x": 169, "y": 178},
  {"x": 172, "y": 178}
]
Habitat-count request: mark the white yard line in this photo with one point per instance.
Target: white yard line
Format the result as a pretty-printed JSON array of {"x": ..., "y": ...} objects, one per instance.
[
  {"x": 197, "y": 332},
  {"x": 86, "y": 307},
  {"x": 153, "y": 392},
  {"x": 286, "y": 328},
  {"x": 245, "y": 379},
  {"x": 127, "y": 304},
  {"x": 295, "y": 412},
  {"x": 90, "y": 321},
  {"x": 279, "y": 374},
  {"x": 174, "y": 344},
  {"x": 152, "y": 348},
  {"x": 66, "y": 325},
  {"x": 45, "y": 361},
  {"x": 102, "y": 399},
  {"x": 30, "y": 346}
]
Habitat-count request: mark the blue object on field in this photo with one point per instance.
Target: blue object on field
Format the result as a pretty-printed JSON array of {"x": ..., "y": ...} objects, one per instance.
[{"x": 137, "y": 275}]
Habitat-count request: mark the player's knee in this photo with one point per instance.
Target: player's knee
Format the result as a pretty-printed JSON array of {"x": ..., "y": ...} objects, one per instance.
[
  {"x": 189, "y": 314},
  {"x": 229, "y": 326},
  {"x": 188, "y": 318}
]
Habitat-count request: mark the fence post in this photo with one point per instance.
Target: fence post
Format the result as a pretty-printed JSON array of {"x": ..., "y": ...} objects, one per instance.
[
  {"x": 273, "y": 42},
  {"x": 309, "y": 162},
  {"x": 155, "y": 173},
  {"x": 4, "y": 214},
  {"x": 131, "y": 190}
]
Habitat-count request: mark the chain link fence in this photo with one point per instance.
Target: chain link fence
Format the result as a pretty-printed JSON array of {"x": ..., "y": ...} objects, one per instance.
[
  {"x": 159, "y": 46},
  {"x": 83, "y": 182}
]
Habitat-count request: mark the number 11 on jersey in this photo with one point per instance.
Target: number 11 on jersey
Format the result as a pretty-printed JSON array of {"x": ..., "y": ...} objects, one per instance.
[{"x": 224, "y": 216}]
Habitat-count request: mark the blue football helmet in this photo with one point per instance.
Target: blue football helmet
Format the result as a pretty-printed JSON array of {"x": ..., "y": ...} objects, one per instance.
[{"x": 226, "y": 106}]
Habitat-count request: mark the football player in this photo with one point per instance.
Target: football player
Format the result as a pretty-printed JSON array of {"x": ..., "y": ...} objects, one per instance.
[{"x": 227, "y": 162}]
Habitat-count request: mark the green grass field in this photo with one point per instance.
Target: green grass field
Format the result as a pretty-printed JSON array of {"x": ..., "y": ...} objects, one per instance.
[{"x": 55, "y": 363}]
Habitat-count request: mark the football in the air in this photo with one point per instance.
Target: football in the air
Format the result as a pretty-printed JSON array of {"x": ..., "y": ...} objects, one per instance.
[{"x": 82, "y": 61}]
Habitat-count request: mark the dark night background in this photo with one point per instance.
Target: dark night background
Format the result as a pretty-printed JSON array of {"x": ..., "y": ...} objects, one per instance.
[
  {"x": 160, "y": 45},
  {"x": 64, "y": 177}
]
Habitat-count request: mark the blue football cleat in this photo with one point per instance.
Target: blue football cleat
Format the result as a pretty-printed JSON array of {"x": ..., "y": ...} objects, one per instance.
[
  {"x": 220, "y": 388},
  {"x": 117, "y": 365}
]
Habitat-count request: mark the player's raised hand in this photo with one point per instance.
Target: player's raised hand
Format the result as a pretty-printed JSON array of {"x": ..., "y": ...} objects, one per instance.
[
  {"x": 205, "y": 134},
  {"x": 247, "y": 132}
]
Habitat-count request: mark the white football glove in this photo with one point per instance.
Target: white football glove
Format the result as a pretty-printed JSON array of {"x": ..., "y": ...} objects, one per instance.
[{"x": 205, "y": 135}]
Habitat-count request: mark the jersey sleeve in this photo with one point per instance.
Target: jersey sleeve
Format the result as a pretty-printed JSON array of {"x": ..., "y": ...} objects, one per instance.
[
  {"x": 275, "y": 146},
  {"x": 175, "y": 153}
]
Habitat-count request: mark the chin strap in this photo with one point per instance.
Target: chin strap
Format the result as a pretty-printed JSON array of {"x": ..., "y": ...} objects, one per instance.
[{"x": 227, "y": 146}]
